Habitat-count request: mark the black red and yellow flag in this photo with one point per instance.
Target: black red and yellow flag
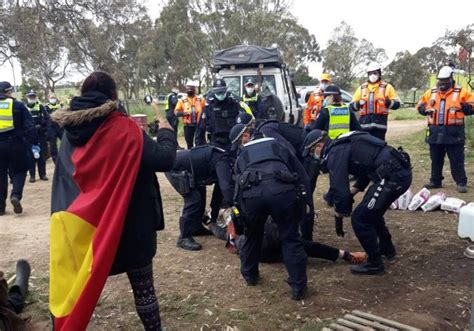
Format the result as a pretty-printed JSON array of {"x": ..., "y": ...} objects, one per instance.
[{"x": 91, "y": 193}]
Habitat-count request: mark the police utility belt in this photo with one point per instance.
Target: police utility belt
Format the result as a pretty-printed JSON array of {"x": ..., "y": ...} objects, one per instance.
[
  {"x": 254, "y": 178},
  {"x": 399, "y": 160}
]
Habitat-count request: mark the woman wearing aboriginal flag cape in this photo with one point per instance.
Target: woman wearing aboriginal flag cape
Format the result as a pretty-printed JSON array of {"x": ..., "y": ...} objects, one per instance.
[{"x": 106, "y": 205}]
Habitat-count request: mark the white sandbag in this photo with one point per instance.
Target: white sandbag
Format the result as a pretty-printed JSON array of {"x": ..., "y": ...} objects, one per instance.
[
  {"x": 404, "y": 200},
  {"x": 434, "y": 202},
  {"x": 394, "y": 205},
  {"x": 453, "y": 204},
  {"x": 419, "y": 199},
  {"x": 466, "y": 221}
]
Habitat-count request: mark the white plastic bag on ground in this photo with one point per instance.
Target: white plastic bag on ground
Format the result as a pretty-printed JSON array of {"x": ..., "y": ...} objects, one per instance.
[
  {"x": 419, "y": 199},
  {"x": 394, "y": 205},
  {"x": 434, "y": 202},
  {"x": 453, "y": 204},
  {"x": 404, "y": 200}
]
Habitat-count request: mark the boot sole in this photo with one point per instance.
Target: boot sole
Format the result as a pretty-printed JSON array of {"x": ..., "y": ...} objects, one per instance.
[
  {"x": 17, "y": 208},
  {"x": 370, "y": 273},
  {"x": 189, "y": 248}
]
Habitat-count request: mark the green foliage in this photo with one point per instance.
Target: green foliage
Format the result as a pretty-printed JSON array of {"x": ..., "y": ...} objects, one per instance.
[
  {"x": 405, "y": 114},
  {"x": 302, "y": 77},
  {"x": 347, "y": 56},
  {"x": 406, "y": 72}
]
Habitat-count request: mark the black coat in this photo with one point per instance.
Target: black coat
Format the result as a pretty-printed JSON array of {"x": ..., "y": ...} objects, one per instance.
[{"x": 137, "y": 244}]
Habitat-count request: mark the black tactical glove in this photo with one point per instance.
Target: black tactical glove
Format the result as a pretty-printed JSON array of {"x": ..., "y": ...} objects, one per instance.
[
  {"x": 355, "y": 105},
  {"x": 339, "y": 226},
  {"x": 466, "y": 108},
  {"x": 388, "y": 103}
]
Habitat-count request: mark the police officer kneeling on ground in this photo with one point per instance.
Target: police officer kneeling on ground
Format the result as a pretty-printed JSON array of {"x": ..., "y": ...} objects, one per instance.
[
  {"x": 193, "y": 170},
  {"x": 368, "y": 159},
  {"x": 271, "y": 181},
  {"x": 16, "y": 135}
]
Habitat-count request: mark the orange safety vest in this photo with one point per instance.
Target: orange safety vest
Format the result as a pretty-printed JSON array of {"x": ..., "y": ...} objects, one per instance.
[
  {"x": 374, "y": 102},
  {"x": 192, "y": 106},
  {"x": 315, "y": 104},
  {"x": 446, "y": 108}
]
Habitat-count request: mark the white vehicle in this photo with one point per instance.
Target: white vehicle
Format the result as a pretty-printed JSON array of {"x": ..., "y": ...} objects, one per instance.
[
  {"x": 304, "y": 93},
  {"x": 265, "y": 65}
]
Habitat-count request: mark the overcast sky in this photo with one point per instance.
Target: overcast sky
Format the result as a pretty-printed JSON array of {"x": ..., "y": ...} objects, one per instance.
[{"x": 393, "y": 25}]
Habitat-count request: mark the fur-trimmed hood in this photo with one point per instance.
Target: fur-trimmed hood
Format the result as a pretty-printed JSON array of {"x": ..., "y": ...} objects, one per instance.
[{"x": 69, "y": 118}]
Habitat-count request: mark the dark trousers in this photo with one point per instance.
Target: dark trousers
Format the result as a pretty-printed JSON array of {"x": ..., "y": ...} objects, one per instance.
[
  {"x": 189, "y": 131},
  {"x": 456, "y": 160},
  {"x": 321, "y": 251},
  {"x": 367, "y": 219},
  {"x": 54, "y": 133},
  {"x": 41, "y": 161},
  {"x": 312, "y": 168},
  {"x": 377, "y": 133},
  {"x": 282, "y": 208},
  {"x": 13, "y": 160}
]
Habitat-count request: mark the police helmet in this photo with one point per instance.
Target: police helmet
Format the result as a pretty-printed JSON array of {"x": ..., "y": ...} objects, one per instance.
[
  {"x": 31, "y": 93},
  {"x": 249, "y": 81},
  {"x": 219, "y": 86},
  {"x": 332, "y": 90},
  {"x": 244, "y": 118},
  {"x": 5, "y": 87},
  {"x": 235, "y": 133},
  {"x": 311, "y": 139}
]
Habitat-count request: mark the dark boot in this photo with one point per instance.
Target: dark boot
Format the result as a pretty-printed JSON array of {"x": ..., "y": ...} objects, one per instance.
[
  {"x": 431, "y": 185},
  {"x": 44, "y": 177},
  {"x": 17, "y": 207},
  {"x": 298, "y": 294},
  {"x": 32, "y": 179},
  {"x": 218, "y": 231},
  {"x": 462, "y": 188},
  {"x": 188, "y": 243},
  {"x": 17, "y": 293},
  {"x": 388, "y": 250},
  {"x": 369, "y": 268}
]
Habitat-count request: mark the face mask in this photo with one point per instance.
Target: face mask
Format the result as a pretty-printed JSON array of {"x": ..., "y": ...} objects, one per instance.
[
  {"x": 190, "y": 93},
  {"x": 220, "y": 96},
  {"x": 373, "y": 78},
  {"x": 31, "y": 101},
  {"x": 443, "y": 86},
  {"x": 249, "y": 90},
  {"x": 53, "y": 101},
  {"x": 323, "y": 86}
]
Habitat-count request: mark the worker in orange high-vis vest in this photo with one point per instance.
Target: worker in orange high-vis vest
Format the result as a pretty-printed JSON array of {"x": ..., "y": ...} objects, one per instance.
[
  {"x": 315, "y": 101},
  {"x": 445, "y": 106},
  {"x": 374, "y": 99},
  {"x": 190, "y": 108}
]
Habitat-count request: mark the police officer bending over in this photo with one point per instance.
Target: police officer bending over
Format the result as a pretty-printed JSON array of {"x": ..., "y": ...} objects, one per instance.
[
  {"x": 16, "y": 135},
  {"x": 369, "y": 159},
  {"x": 271, "y": 181},
  {"x": 219, "y": 116},
  {"x": 193, "y": 170}
]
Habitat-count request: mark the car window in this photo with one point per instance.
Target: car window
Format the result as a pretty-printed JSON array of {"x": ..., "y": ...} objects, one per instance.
[
  {"x": 267, "y": 81},
  {"x": 233, "y": 85}
]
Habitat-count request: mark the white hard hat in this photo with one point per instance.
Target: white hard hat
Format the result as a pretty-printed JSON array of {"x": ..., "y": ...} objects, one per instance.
[
  {"x": 374, "y": 66},
  {"x": 445, "y": 72}
]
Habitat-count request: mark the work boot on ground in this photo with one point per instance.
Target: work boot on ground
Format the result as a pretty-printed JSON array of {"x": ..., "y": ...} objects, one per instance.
[
  {"x": 462, "y": 189},
  {"x": 45, "y": 178},
  {"x": 32, "y": 179},
  {"x": 23, "y": 271},
  {"x": 430, "y": 185},
  {"x": 298, "y": 295},
  {"x": 17, "y": 208},
  {"x": 189, "y": 244},
  {"x": 387, "y": 249},
  {"x": 368, "y": 268},
  {"x": 252, "y": 281}
]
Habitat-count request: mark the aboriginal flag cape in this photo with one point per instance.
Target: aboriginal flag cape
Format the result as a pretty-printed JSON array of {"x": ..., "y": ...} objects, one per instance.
[{"x": 91, "y": 192}]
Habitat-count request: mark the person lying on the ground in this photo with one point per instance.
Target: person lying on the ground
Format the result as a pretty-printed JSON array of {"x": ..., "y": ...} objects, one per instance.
[
  {"x": 271, "y": 246},
  {"x": 12, "y": 301}
]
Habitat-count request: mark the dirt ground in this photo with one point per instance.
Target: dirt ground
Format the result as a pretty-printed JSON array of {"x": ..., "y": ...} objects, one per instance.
[{"x": 428, "y": 285}]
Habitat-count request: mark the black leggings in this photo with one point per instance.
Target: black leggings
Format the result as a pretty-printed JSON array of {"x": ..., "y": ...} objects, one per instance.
[{"x": 146, "y": 302}]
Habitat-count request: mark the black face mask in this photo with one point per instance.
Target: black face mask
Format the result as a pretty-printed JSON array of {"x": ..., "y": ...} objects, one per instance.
[
  {"x": 444, "y": 86},
  {"x": 190, "y": 93}
]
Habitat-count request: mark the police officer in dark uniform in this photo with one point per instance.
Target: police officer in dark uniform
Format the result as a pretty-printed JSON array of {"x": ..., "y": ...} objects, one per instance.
[
  {"x": 271, "y": 181},
  {"x": 171, "y": 102},
  {"x": 16, "y": 135},
  {"x": 54, "y": 131},
  {"x": 219, "y": 116},
  {"x": 193, "y": 170},
  {"x": 368, "y": 159},
  {"x": 41, "y": 121}
]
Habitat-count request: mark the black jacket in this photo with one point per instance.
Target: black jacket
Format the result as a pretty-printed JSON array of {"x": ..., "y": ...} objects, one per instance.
[{"x": 137, "y": 245}]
